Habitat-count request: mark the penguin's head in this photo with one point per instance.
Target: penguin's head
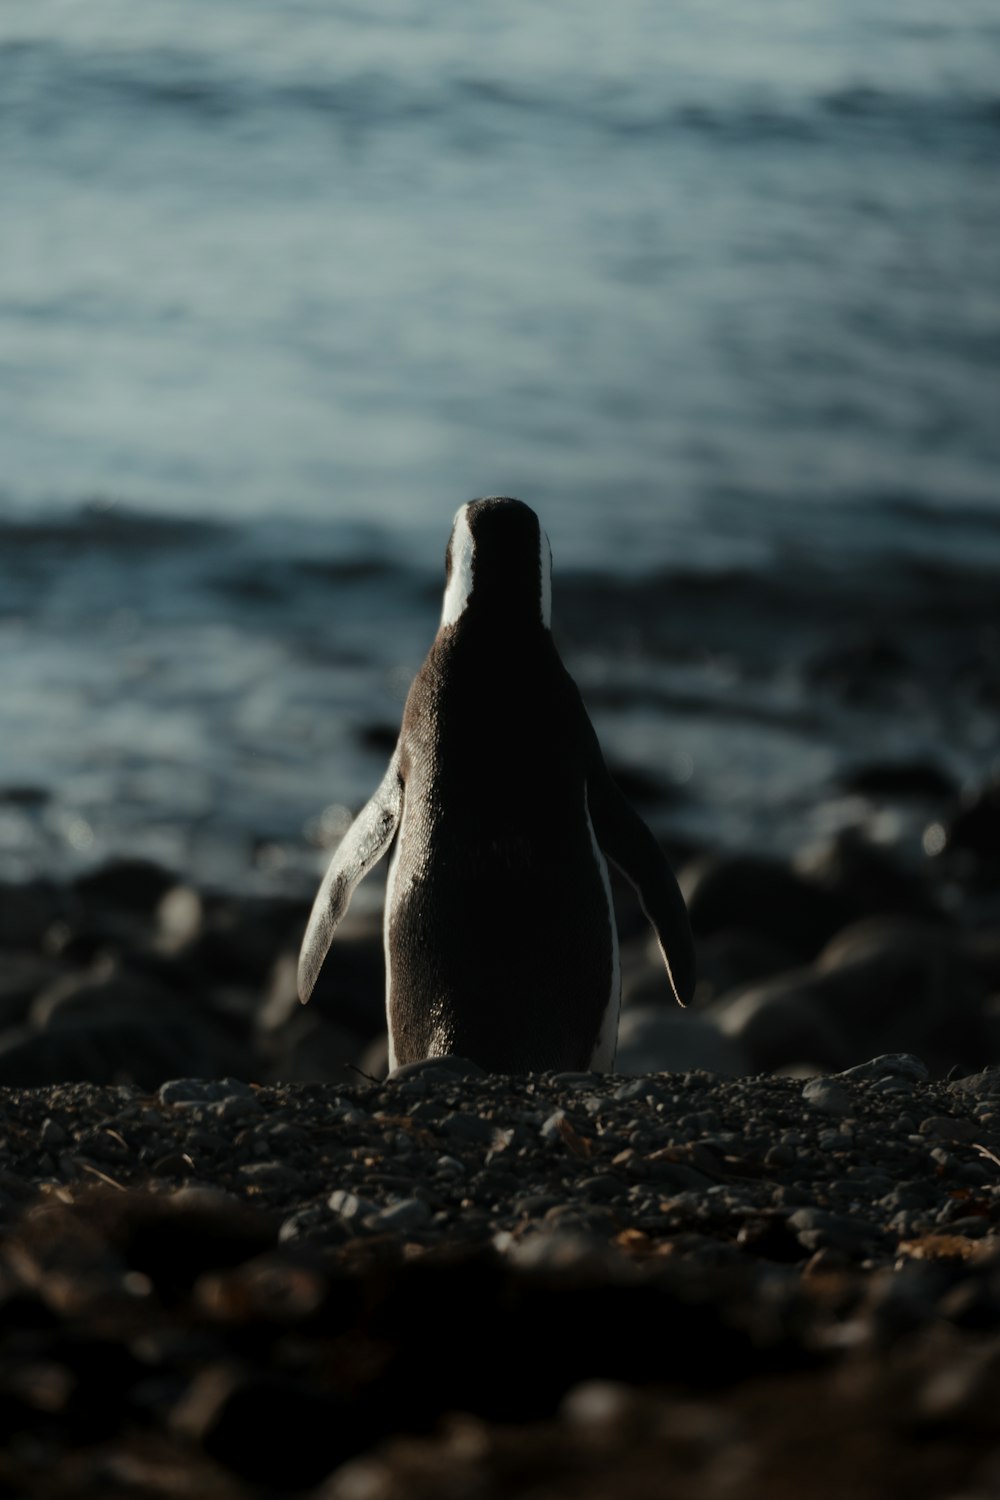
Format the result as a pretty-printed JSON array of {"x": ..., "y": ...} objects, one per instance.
[{"x": 498, "y": 562}]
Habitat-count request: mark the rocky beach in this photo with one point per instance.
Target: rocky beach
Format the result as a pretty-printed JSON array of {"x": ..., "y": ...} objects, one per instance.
[{"x": 761, "y": 1259}]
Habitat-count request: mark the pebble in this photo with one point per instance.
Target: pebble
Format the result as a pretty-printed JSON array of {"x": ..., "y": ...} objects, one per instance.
[
  {"x": 665, "y": 1157},
  {"x": 349, "y": 1206},
  {"x": 818, "y": 1230},
  {"x": 399, "y": 1218},
  {"x": 889, "y": 1065},
  {"x": 829, "y": 1098},
  {"x": 202, "y": 1090}
]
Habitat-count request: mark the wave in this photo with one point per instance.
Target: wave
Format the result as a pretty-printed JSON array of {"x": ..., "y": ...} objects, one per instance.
[{"x": 47, "y": 83}]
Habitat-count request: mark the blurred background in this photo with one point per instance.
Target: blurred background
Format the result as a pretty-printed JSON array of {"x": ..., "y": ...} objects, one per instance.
[{"x": 716, "y": 289}]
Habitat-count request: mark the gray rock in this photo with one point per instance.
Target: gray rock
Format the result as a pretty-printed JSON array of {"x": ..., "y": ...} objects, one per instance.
[
  {"x": 780, "y": 1022},
  {"x": 818, "y": 1230},
  {"x": 348, "y": 1205},
  {"x": 889, "y": 1065},
  {"x": 445, "y": 1068},
  {"x": 468, "y": 1128},
  {"x": 658, "y": 1040},
  {"x": 409, "y": 1214},
  {"x": 827, "y": 1097},
  {"x": 202, "y": 1090},
  {"x": 983, "y": 1085}
]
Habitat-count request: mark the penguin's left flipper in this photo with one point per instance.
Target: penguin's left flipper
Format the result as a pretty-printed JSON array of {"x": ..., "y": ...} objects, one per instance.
[
  {"x": 364, "y": 843},
  {"x": 630, "y": 846}
]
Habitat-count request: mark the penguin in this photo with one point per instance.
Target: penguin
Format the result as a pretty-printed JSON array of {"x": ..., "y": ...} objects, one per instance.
[{"x": 500, "y": 936}]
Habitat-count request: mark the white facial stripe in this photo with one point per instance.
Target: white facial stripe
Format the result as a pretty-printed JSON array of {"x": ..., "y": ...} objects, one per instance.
[
  {"x": 456, "y": 595},
  {"x": 545, "y": 569}
]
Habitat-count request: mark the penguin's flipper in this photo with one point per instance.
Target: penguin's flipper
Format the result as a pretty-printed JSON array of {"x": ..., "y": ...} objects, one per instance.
[
  {"x": 364, "y": 843},
  {"x": 630, "y": 846}
]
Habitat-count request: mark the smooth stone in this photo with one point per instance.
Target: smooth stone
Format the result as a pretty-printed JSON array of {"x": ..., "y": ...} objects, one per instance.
[
  {"x": 827, "y": 1097},
  {"x": 468, "y": 1128},
  {"x": 126, "y": 884},
  {"x": 725, "y": 892},
  {"x": 900, "y": 778},
  {"x": 348, "y": 1205},
  {"x": 410, "y": 1213},
  {"x": 203, "y": 1090},
  {"x": 779, "y": 1023},
  {"x": 889, "y": 1065},
  {"x": 446, "y": 1067},
  {"x": 27, "y": 912},
  {"x": 817, "y": 1230},
  {"x": 658, "y": 1040},
  {"x": 114, "y": 1050}
]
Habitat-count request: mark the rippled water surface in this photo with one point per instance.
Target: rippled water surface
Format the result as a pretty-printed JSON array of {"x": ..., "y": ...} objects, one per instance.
[{"x": 712, "y": 286}]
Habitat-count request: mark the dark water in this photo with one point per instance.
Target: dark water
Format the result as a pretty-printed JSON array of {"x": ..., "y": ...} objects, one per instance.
[{"x": 715, "y": 289}]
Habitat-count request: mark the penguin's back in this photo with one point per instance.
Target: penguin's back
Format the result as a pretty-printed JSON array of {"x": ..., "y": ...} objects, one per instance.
[{"x": 500, "y": 939}]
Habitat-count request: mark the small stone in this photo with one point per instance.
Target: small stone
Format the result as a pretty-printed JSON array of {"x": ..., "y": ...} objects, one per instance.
[
  {"x": 469, "y": 1128},
  {"x": 349, "y": 1206},
  {"x": 818, "y": 1230},
  {"x": 237, "y": 1107},
  {"x": 52, "y": 1134},
  {"x": 270, "y": 1174},
  {"x": 202, "y": 1090},
  {"x": 552, "y": 1128},
  {"x": 450, "y": 1166},
  {"x": 827, "y": 1097},
  {"x": 888, "y": 1065},
  {"x": 410, "y": 1213},
  {"x": 946, "y": 1128},
  {"x": 446, "y": 1067}
]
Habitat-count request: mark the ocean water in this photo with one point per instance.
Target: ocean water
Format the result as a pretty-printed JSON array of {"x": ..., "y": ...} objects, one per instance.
[{"x": 714, "y": 287}]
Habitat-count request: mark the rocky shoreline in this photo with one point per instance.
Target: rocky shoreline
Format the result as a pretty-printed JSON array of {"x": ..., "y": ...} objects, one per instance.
[
  {"x": 762, "y": 1260},
  {"x": 854, "y": 1168},
  {"x": 577, "y": 1280}
]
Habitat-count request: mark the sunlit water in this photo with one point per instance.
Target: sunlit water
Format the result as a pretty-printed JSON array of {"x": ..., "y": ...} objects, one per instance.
[{"x": 709, "y": 285}]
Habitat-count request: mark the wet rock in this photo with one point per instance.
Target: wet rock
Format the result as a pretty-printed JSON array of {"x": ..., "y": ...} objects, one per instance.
[
  {"x": 348, "y": 1205},
  {"x": 22, "y": 977},
  {"x": 401, "y": 1218},
  {"x": 666, "y": 1041},
  {"x": 108, "y": 1049},
  {"x": 903, "y": 987},
  {"x": 782, "y": 1022},
  {"x": 819, "y": 1230},
  {"x": 434, "y": 1068},
  {"x": 861, "y": 879},
  {"x": 103, "y": 991},
  {"x": 314, "y": 1050},
  {"x": 239, "y": 940},
  {"x": 889, "y": 1065},
  {"x": 920, "y": 779},
  {"x": 203, "y": 1090},
  {"x": 727, "y": 961},
  {"x": 827, "y": 1097},
  {"x": 975, "y": 827},
  {"x": 277, "y": 1430},
  {"x": 27, "y": 912},
  {"x": 135, "y": 886},
  {"x": 740, "y": 892}
]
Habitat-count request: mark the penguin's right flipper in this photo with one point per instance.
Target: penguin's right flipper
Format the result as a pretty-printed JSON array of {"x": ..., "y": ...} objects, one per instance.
[
  {"x": 364, "y": 843},
  {"x": 630, "y": 845}
]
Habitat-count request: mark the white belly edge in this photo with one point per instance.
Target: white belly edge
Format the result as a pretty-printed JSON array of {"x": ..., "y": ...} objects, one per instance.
[{"x": 390, "y": 900}]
